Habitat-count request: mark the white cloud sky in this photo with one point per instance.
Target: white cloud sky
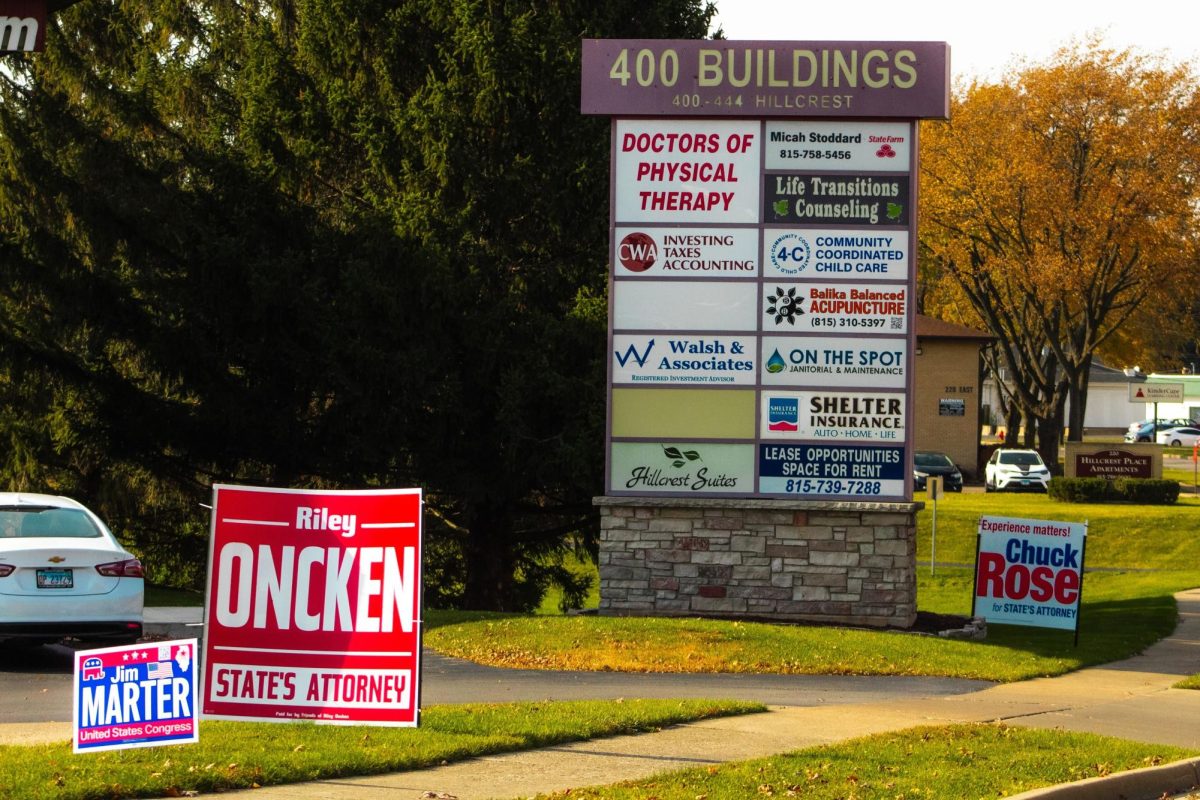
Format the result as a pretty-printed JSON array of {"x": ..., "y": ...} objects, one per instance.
[{"x": 984, "y": 38}]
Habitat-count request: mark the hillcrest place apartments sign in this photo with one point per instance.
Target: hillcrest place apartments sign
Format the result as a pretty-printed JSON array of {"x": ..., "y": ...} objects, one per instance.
[{"x": 762, "y": 242}]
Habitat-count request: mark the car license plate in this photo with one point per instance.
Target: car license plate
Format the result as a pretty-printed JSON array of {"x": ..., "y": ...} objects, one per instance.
[{"x": 55, "y": 579}]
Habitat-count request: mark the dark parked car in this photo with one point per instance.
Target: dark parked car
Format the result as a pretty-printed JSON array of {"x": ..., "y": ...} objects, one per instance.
[{"x": 930, "y": 462}]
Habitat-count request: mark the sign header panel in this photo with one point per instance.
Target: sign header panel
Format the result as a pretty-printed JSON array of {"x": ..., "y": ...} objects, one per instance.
[
  {"x": 23, "y": 26},
  {"x": 706, "y": 78}
]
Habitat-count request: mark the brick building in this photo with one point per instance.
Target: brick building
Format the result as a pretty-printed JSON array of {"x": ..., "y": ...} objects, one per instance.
[{"x": 947, "y": 392}]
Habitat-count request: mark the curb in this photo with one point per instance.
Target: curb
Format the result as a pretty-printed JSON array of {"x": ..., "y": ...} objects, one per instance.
[{"x": 1151, "y": 783}]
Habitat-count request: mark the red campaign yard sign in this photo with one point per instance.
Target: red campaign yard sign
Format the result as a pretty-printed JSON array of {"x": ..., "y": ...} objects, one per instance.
[
  {"x": 313, "y": 606},
  {"x": 1029, "y": 572}
]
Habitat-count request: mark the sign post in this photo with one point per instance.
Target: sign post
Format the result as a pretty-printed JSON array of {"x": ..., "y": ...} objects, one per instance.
[
  {"x": 933, "y": 486},
  {"x": 313, "y": 606}
]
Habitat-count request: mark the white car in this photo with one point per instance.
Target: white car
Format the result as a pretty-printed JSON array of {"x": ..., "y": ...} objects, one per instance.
[
  {"x": 1016, "y": 469},
  {"x": 1146, "y": 430},
  {"x": 63, "y": 574},
  {"x": 1185, "y": 436}
]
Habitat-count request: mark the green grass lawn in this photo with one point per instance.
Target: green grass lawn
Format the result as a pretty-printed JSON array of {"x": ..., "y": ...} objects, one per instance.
[
  {"x": 1187, "y": 478},
  {"x": 244, "y": 755},
  {"x": 166, "y": 596},
  {"x": 1122, "y": 614},
  {"x": 1140, "y": 556},
  {"x": 1120, "y": 535},
  {"x": 958, "y": 761},
  {"x": 1155, "y": 548}
]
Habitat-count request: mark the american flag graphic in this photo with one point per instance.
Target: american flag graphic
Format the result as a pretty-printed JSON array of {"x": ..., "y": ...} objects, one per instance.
[{"x": 159, "y": 669}]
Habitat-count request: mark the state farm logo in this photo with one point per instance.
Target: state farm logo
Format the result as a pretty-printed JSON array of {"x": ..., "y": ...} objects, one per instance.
[
  {"x": 885, "y": 151},
  {"x": 637, "y": 252}
]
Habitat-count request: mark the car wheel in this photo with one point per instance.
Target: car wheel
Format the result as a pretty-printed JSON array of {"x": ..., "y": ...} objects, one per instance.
[{"x": 1176, "y": 443}]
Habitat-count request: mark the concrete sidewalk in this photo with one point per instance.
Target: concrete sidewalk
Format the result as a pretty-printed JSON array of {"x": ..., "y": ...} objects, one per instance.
[{"x": 1131, "y": 699}]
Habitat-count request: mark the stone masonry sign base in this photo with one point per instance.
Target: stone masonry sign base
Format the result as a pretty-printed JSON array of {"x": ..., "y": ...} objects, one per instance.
[{"x": 847, "y": 563}]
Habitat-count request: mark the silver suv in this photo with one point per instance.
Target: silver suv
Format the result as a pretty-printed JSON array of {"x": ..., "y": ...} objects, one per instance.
[{"x": 1016, "y": 469}]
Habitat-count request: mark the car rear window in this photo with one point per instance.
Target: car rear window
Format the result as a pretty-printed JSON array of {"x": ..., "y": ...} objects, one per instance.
[
  {"x": 34, "y": 523},
  {"x": 932, "y": 460}
]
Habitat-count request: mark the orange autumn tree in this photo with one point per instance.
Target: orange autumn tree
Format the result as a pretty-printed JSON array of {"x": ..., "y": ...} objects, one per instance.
[{"x": 1057, "y": 206}]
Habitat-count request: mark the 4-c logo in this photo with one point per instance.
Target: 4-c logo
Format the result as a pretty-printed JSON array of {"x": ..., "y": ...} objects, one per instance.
[{"x": 790, "y": 253}]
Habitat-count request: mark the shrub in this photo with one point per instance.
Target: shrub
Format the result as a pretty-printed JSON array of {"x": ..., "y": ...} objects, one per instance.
[
  {"x": 1148, "y": 491},
  {"x": 1151, "y": 491},
  {"x": 1081, "y": 490}
]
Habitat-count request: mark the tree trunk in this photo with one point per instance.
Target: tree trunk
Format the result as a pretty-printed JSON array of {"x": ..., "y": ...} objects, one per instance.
[
  {"x": 488, "y": 585},
  {"x": 1029, "y": 421},
  {"x": 1077, "y": 394},
  {"x": 1049, "y": 435},
  {"x": 1012, "y": 422}
]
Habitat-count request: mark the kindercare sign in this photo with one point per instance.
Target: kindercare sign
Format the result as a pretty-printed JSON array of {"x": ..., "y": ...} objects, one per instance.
[
  {"x": 1029, "y": 572},
  {"x": 313, "y": 608},
  {"x": 762, "y": 248}
]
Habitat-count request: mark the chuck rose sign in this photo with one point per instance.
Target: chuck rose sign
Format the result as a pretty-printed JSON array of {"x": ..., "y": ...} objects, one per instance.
[
  {"x": 1029, "y": 572},
  {"x": 761, "y": 243},
  {"x": 313, "y": 607}
]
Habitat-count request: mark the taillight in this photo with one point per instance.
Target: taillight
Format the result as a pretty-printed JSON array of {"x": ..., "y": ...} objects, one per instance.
[
  {"x": 6, "y": 569},
  {"x": 131, "y": 568}
]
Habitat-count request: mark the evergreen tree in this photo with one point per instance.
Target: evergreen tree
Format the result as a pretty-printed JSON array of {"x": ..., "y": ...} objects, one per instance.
[{"x": 314, "y": 244}]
